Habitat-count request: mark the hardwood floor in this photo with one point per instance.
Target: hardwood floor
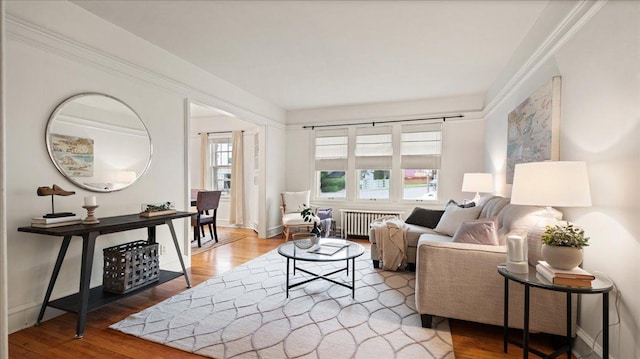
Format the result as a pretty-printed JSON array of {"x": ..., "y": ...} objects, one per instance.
[{"x": 54, "y": 338}]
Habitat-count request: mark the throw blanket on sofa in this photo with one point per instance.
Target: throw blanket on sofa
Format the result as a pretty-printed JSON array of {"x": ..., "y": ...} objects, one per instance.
[{"x": 391, "y": 236}]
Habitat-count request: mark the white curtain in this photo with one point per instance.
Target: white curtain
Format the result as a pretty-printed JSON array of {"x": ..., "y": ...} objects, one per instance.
[
  {"x": 204, "y": 157},
  {"x": 237, "y": 185}
]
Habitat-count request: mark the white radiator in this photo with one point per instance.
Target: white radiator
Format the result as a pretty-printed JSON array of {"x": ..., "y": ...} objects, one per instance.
[{"x": 355, "y": 222}]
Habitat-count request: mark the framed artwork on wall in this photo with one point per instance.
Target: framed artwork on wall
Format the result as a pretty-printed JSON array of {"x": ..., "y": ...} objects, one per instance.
[{"x": 533, "y": 128}]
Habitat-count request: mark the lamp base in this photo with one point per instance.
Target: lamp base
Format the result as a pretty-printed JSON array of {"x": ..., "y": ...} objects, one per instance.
[{"x": 518, "y": 267}]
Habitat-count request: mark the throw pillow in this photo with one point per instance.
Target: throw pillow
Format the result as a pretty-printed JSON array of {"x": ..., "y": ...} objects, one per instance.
[
  {"x": 482, "y": 231},
  {"x": 325, "y": 213},
  {"x": 295, "y": 201},
  {"x": 453, "y": 217},
  {"x": 424, "y": 217},
  {"x": 464, "y": 205}
]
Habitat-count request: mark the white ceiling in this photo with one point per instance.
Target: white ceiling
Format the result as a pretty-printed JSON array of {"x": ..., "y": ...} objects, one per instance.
[{"x": 307, "y": 54}]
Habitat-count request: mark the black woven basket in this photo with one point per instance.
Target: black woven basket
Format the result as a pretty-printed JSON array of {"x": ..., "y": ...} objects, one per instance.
[{"x": 129, "y": 266}]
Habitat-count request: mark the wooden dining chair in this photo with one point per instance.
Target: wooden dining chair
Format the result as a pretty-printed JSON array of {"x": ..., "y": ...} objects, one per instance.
[
  {"x": 193, "y": 198},
  {"x": 207, "y": 206}
]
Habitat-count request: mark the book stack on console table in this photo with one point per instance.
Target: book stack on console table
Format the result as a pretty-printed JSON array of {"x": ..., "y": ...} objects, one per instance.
[
  {"x": 576, "y": 277},
  {"x": 42, "y": 222}
]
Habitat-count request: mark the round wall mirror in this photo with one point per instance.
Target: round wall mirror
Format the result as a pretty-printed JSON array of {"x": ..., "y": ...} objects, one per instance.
[{"x": 98, "y": 142}]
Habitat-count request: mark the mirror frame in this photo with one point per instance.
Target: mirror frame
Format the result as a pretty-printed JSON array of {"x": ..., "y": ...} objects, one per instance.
[{"x": 57, "y": 111}]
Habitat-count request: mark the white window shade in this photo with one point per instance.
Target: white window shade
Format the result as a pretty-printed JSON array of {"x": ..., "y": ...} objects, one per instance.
[
  {"x": 374, "y": 148},
  {"x": 421, "y": 146},
  {"x": 331, "y": 150}
]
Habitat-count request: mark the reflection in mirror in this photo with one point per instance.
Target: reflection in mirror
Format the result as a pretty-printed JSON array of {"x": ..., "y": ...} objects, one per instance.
[{"x": 98, "y": 142}]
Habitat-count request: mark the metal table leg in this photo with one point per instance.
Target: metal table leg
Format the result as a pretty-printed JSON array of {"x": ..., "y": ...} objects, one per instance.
[
  {"x": 353, "y": 276},
  {"x": 88, "y": 247},
  {"x": 525, "y": 334},
  {"x": 605, "y": 325},
  {"x": 287, "y": 284},
  {"x": 568, "y": 338},
  {"x": 54, "y": 276},
  {"x": 175, "y": 243},
  {"x": 506, "y": 314}
]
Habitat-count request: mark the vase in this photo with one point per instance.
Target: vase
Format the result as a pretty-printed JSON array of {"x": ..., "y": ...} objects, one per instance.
[
  {"x": 315, "y": 229},
  {"x": 562, "y": 257}
]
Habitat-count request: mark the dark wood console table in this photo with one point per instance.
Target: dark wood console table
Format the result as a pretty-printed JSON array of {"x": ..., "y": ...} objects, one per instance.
[{"x": 90, "y": 298}]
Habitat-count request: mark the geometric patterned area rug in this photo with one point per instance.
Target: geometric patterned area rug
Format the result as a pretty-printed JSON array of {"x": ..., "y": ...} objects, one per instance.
[{"x": 244, "y": 313}]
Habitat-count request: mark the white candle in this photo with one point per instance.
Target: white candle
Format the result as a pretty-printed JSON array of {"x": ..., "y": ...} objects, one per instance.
[
  {"x": 515, "y": 248},
  {"x": 90, "y": 201}
]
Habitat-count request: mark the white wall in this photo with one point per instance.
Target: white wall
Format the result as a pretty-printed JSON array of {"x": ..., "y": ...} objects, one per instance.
[
  {"x": 55, "y": 50},
  {"x": 274, "y": 177},
  {"x": 600, "y": 124},
  {"x": 462, "y": 147}
]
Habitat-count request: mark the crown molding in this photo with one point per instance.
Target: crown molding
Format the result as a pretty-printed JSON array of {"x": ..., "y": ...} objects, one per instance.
[
  {"x": 566, "y": 29},
  {"x": 51, "y": 42}
]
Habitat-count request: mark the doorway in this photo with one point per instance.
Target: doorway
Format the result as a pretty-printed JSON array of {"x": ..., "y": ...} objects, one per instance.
[{"x": 210, "y": 157}]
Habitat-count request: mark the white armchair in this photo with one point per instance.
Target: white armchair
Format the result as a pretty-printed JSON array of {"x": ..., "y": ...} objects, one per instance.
[{"x": 292, "y": 204}]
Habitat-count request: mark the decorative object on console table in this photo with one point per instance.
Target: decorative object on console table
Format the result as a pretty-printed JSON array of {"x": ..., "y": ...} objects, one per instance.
[
  {"x": 477, "y": 182},
  {"x": 90, "y": 204},
  {"x": 44, "y": 222},
  {"x": 555, "y": 183},
  {"x": 55, "y": 190},
  {"x": 157, "y": 209},
  {"x": 562, "y": 246},
  {"x": 576, "y": 277}
]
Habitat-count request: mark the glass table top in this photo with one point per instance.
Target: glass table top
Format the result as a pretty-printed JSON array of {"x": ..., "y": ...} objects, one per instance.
[
  {"x": 599, "y": 285},
  {"x": 352, "y": 250}
]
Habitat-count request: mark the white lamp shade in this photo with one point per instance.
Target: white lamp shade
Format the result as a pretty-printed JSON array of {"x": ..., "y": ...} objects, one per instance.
[
  {"x": 553, "y": 183},
  {"x": 477, "y": 182}
]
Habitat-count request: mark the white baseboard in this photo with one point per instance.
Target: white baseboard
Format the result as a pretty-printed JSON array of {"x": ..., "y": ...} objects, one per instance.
[
  {"x": 583, "y": 344},
  {"x": 274, "y": 231}
]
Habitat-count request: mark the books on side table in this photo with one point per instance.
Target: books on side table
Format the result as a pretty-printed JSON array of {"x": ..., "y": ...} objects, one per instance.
[
  {"x": 41, "y": 222},
  {"x": 576, "y": 277}
]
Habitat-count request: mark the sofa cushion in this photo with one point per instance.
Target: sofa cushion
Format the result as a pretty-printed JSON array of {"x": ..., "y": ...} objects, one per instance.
[
  {"x": 480, "y": 231},
  {"x": 424, "y": 217},
  {"x": 453, "y": 217},
  {"x": 295, "y": 219},
  {"x": 433, "y": 238},
  {"x": 295, "y": 201}
]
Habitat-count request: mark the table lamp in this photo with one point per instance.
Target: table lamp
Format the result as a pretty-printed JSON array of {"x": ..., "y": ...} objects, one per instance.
[
  {"x": 477, "y": 182},
  {"x": 551, "y": 183}
]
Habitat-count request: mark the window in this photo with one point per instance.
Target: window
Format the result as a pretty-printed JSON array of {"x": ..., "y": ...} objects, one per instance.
[
  {"x": 420, "y": 150},
  {"x": 331, "y": 163},
  {"x": 374, "y": 150},
  {"x": 220, "y": 164},
  {"x": 394, "y": 162}
]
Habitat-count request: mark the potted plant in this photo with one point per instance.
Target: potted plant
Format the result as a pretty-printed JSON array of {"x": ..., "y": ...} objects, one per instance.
[
  {"x": 308, "y": 216},
  {"x": 562, "y": 245}
]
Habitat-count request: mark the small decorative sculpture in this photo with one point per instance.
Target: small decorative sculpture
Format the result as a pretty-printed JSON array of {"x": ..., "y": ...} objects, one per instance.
[{"x": 55, "y": 190}]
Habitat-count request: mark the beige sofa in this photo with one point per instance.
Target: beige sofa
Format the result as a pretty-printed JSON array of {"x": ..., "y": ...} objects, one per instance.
[{"x": 460, "y": 280}]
